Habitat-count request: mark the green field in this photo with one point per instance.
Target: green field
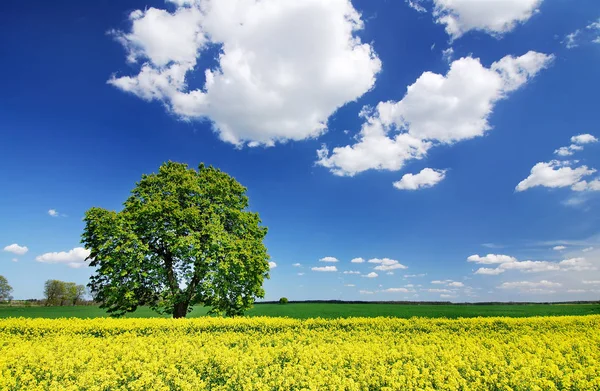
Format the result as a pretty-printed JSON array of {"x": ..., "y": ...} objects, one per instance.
[{"x": 332, "y": 310}]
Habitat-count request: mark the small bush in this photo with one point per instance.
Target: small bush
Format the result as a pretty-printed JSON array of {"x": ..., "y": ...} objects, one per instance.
[{"x": 283, "y": 300}]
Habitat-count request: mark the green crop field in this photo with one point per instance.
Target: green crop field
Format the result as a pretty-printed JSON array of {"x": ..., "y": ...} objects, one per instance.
[{"x": 332, "y": 310}]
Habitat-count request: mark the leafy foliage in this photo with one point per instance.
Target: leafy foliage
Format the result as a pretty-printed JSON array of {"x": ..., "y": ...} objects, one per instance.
[
  {"x": 184, "y": 237},
  {"x": 59, "y": 292},
  {"x": 5, "y": 289},
  {"x": 283, "y": 300}
]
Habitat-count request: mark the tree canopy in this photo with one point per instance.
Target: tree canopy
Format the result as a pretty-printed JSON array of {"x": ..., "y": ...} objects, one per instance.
[
  {"x": 5, "y": 289},
  {"x": 184, "y": 237},
  {"x": 59, "y": 292}
]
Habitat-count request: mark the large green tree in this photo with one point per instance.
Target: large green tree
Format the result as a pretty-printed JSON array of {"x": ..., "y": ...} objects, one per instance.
[
  {"x": 5, "y": 289},
  {"x": 184, "y": 237}
]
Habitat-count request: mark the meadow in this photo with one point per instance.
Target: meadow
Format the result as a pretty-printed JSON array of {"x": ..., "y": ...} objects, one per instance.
[
  {"x": 266, "y": 353},
  {"x": 332, "y": 310}
]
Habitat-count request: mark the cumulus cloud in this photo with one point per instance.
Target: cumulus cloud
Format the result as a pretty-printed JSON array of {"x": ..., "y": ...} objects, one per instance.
[
  {"x": 491, "y": 259},
  {"x": 398, "y": 290},
  {"x": 530, "y": 266},
  {"x": 414, "y": 275},
  {"x": 324, "y": 269},
  {"x": 436, "y": 109},
  {"x": 328, "y": 259},
  {"x": 456, "y": 284},
  {"x": 584, "y": 139},
  {"x": 530, "y": 284},
  {"x": 272, "y": 265},
  {"x": 370, "y": 275},
  {"x": 587, "y": 249},
  {"x": 572, "y": 264},
  {"x": 16, "y": 249},
  {"x": 437, "y": 290},
  {"x": 357, "y": 260},
  {"x": 349, "y": 285},
  {"x": 576, "y": 264},
  {"x": 351, "y": 272},
  {"x": 493, "y": 17},
  {"x": 284, "y": 67},
  {"x": 74, "y": 258},
  {"x": 365, "y": 292},
  {"x": 559, "y": 248},
  {"x": 53, "y": 213},
  {"x": 297, "y": 264},
  {"x": 489, "y": 271},
  {"x": 386, "y": 264},
  {"x": 428, "y": 177},
  {"x": 577, "y": 144},
  {"x": 557, "y": 174}
]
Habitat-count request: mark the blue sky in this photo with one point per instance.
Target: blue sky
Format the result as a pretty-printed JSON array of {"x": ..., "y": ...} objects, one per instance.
[{"x": 418, "y": 136}]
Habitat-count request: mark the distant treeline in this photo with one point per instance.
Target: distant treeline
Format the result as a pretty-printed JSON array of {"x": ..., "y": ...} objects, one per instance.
[{"x": 429, "y": 302}]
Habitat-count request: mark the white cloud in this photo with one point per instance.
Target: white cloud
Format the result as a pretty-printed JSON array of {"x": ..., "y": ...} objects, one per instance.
[
  {"x": 272, "y": 265},
  {"x": 351, "y": 272},
  {"x": 456, "y": 284},
  {"x": 493, "y": 17},
  {"x": 284, "y": 67},
  {"x": 357, "y": 260},
  {"x": 446, "y": 296},
  {"x": 530, "y": 266},
  {"x": 592, "y": 282},
  {"x": 300, "y": 274},
  {"x": 390, "y": 273},
  {"x": 365, "y": 292},
  {"x": 414, "y": 275},
  {"x": 568, "y": 151},
  {"x": 437, "y": 109},
  {"x": 15, "y": 260},
  {"x": 349, "y": 285},
  {"x": 576, "y": 264},
  {"x": 296, "y": 264},
  {"x": 370, "y": 275},
  {"x": 416, "y": 5},
  {"x": 427, "y": 178},
  {"x": 491, "y": 259},
  {"x": 328, "y": 259},
  {"x": 489, "y": 271},
  {"x": 386, "y": 264},
  {"x": 576, "y": 291},
  {"x": 530, "y": 284},
  {"x": 16, "y": 249},
  {"x": 584, "y": 139},
  {"x": 398, "y": 290},
  {"x": 74, "y": 258},
  {"x": 587, "y": 249},
  {"x": 554, "y": 174},
  {"x": 440, "y": 282},
  {"x": 324, "y": 269},
  {"x": 436, "y": 290},
  {"x": 448, "y": 55},
  {"x": 570, "y": 40},
  {"x": 559, "y": 248},
  {"x": 53, "y": 213}
]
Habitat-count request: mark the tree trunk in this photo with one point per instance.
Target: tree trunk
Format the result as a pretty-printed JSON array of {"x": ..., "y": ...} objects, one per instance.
[{"x": 180, "y": 310}]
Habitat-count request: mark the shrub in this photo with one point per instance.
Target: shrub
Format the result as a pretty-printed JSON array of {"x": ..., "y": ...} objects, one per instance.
[{"x": 283, "y": 300}]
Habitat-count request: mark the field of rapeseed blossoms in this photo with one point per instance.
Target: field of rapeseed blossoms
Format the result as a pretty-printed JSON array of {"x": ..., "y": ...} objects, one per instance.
[{"x": 553, "y": 353}]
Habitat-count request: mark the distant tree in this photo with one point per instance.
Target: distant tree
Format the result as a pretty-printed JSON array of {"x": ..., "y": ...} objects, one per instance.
[
  {"x": 73, "y": 293},
  {"x": 55, "y": 292},
  {"x": 184, "y": 237},
  {"x": 283, "y": 300},
  {"x": 5, "y": 289}
]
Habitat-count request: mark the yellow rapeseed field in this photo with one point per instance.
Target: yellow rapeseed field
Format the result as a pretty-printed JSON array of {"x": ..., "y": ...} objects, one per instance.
[{"x": 553, "y": 353}]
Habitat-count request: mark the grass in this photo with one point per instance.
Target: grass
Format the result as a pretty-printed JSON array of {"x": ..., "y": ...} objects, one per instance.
[{"x": 332, "y": 310}]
